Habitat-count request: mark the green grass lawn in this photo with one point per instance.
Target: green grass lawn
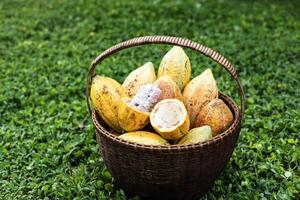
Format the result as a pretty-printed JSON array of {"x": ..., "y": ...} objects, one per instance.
[{"x": 47, "y": 143}]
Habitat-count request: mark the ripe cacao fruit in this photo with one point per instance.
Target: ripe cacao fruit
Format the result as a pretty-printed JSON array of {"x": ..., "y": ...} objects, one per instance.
[
  {"x": 170, "y": 119},
  {"x": 139, "y": 77},
  {"x": 198, "y": 92},
  {"x": 196, "y": 135},
  {"x": 176, "y": 64},
  {"x": 106, "y": 94},
  {"x": 144, "y": 137},
  {"x": 130, "y": 117},
  {"x": 169, "y": 89},
  {"x": 217, "y": 115}
]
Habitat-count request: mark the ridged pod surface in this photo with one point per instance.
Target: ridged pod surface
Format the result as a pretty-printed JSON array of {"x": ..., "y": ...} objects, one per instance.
[
  {"x": 139, "y": 77},
  {"x": 198, "y": 92},
  {"x": 215, "y": 114},
  {"x": 170, "y": 119},
  {"x": 176, "y": 64},
  {"x": 196, "y": 135},
  {"x": 169, "y": 89},
  {"x": 106, "y": 94},
  {"x": 144, "y": 137},
  {"x": 130, "y": 117}
]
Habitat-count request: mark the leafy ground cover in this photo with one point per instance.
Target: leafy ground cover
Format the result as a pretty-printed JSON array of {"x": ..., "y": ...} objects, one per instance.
[{"x": 47, "y": 143}]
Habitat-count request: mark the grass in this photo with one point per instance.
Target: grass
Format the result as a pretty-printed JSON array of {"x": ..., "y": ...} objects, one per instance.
[{"x": 47, "y": 143}]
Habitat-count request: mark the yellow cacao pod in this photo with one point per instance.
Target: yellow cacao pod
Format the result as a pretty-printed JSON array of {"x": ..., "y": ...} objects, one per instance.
[
  {"x": 196, "y": 135},
  {"x": 176, "y": 64},
  {"x": 170, "y": 119},
  {"x": 130, "y": 117},
  {"x": 169, "y": 89},
  {"x": 106, "y": 94},
  {"x": 198, "y": 92},
  {"x": 144, "y": 137},
  {"x": 139, "y": 77},
  {"x": 215, "y": 114}
]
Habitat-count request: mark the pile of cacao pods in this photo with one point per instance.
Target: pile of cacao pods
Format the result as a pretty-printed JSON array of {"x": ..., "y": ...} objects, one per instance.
[{"x": 164, "y": 109}]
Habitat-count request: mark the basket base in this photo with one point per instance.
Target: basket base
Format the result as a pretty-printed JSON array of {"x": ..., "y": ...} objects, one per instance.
[{"x": 165, "y": 173}]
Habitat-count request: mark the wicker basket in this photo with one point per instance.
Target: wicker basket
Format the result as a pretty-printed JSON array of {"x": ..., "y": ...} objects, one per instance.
[{"x": 167, "y": 172}]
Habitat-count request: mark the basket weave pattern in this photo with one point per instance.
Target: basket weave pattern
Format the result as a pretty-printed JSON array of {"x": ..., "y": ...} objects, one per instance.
[{"x": 167, "y": 172}]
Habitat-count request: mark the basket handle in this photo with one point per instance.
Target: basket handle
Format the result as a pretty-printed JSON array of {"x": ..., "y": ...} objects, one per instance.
[{"x": 166, "y": 40}]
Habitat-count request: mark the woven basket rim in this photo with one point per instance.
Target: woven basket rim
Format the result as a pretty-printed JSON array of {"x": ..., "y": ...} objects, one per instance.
[{"x": 215, "y": 140}]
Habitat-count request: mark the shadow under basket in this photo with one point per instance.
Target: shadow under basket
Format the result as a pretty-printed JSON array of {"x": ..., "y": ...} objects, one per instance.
[{"x": 167, "y": 172}]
